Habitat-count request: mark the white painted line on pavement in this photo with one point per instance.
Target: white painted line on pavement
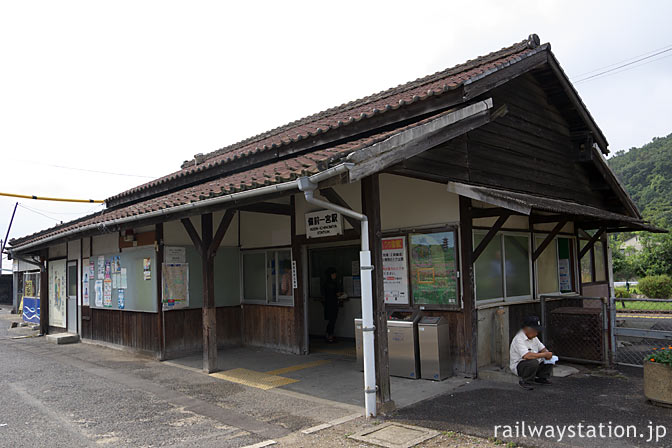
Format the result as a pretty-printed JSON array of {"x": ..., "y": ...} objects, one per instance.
[{"x": 262, "y": 444}]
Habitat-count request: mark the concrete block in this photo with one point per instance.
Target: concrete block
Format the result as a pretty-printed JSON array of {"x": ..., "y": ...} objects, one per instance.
[{"x": 63, "y": 338}]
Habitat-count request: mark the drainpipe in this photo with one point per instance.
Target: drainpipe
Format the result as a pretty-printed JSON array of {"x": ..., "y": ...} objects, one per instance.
[{"x": 308, "y": 187}]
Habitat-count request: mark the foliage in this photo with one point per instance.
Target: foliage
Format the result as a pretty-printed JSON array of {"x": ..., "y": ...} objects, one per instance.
[
  {"x": 656, "y": 255},
  {"x": 662, "y": 355},
  {"x": 626, "y": 263},
  {"x": 656, "y": 286},
  {"x": 622, "y": 293},
  {"x": 646, "y": 172}
]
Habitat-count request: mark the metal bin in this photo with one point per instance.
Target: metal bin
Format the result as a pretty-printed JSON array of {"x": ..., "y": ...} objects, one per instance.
[
  {"x": 434, "y": 348},
  {"x": 402, "y": 344}
]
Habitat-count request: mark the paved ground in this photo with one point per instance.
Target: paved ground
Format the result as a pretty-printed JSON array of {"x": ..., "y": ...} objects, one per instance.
[{"x": 589, "y": 399}]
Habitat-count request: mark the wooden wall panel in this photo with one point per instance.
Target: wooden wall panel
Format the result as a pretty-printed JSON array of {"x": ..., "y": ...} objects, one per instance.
[
  {"x": 184, "y": 330},
  {"x": 460, "y": 358},
  {"x": 134, "y": 330},
  {"x": 270, "y": 326}
]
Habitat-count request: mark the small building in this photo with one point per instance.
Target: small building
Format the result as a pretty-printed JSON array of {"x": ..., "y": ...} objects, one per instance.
[
  {"x": 483, "y": 186},
  {"x": 632, "y": 244}
]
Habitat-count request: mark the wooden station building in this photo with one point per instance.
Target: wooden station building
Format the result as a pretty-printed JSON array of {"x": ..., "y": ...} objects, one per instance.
[{"x": 485, "y": 185}]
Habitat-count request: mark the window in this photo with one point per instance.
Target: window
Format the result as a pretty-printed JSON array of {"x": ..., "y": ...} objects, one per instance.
[
  {"x": 554, "y": 273},
  {"x": 72, "y": 279},
  {"x": 267, "y": 277},
  {"x": 503, "y": 270},
  {"x": 31, "y": 284},
  {"x": 593, "y": 263}
]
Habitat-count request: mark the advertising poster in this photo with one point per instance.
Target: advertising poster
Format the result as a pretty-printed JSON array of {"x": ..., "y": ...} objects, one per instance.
[
  {"x": 121, "y": 298},
  {"x": 107, "y": 292},
  {"x": 175, "y": 254},
  {"x": 92, "y": 269},
  {"x": 147, "y": 268},
  {"x": 563, "y": 273},
  {"x": 99, "y": 292},
  {"x": 433, "y": 268},
  {"x": 101, "y": 267},
  {"x": 395, "y": 270},
  {"x": 116, "y": 264},
  {"x": 123, "y": 279},
  {"x": 85, "y": 288},
  {"x": 175, "y": 288}
]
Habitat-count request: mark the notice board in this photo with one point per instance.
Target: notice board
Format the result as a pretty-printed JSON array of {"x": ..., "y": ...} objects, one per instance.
[{"x": 124, "y": 280}]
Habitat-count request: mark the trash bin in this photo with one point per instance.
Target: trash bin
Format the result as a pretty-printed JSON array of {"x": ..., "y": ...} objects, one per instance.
[
  {"x": 434, "y": 348},
  {"x": 402, "y": 343}
]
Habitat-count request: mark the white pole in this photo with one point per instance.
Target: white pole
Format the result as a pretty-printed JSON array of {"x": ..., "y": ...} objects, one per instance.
[
  {"x": 365, "y": 269},
  {"x": 367, "y": 323}
]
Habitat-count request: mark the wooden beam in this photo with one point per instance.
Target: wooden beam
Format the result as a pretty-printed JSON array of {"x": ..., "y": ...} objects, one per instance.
[
  {"x": 591, "y": 242},
  {"x": 301, "y": 339},
  {"x": 417, "y": 140},
  {"x": 221, "y": 232},
  {"x": 209, "y": 310},
  {"x": 158, "y": 232},
  {"x": 489, "y": 236},
  {"x": 543, "y": 219},
  {"x": 549, "y": 238},
  {"x": 371, "y": 207},
  {"x": 582, "y": 233},
  {"x": 271, "y": 208},
  {"x": 335, "y": 198},
  {"x": 470, "y": 334},
  {"x": 193, "y": 234},
  {"x": 491, "y": 212}
]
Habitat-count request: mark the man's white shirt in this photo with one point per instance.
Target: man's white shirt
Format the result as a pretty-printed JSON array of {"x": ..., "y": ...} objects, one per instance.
[{"x": 520, "y": 346}]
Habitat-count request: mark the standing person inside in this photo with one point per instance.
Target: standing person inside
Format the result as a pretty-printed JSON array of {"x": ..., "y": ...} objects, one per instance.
[
  {"x": 527, "y": 353},
  {"x": 331, "y": 291}
]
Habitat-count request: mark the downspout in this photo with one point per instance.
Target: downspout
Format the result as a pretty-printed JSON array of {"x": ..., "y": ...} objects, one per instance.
[{"x": 308, "y": 187}]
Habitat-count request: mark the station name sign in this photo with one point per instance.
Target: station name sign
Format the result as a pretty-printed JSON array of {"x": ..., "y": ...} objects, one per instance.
[{"x": 323, "y": 223}]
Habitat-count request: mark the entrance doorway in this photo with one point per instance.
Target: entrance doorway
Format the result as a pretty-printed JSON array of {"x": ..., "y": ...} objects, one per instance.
[
  {"x": 342, "y": 258},
  {"x": 71, "y": 313}
]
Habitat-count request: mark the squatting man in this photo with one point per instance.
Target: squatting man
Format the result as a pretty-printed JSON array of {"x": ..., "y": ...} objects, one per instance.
[{"x": 527, "y": 353}]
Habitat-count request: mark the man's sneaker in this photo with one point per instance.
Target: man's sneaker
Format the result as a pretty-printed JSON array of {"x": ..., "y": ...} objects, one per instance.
[
  {"x": 543, "y": 381},
  {"x": 525, "y": 385}
]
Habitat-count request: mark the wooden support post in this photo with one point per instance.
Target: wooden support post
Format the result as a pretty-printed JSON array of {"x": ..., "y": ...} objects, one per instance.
[
  {"x": 44, "y": 292},
  {"x": 209, "y": 310},
  {"x": 549, "y": 238},
  {"x": 371, "y": 208},
  {"x": 161, "y": 343},
  {"x": 591, "y": 242},
  {"x": 299, "y": 298},
  {"x": 490, "y": 235},
  {"x": 468, "y": 297}
]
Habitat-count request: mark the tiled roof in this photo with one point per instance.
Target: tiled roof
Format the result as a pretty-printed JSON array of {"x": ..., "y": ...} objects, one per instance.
[
  {"x": 355, "y": 111},
  {"x": 274, "y": 173}
]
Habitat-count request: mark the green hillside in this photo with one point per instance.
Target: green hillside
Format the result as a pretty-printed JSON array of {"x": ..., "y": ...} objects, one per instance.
[{"x": 646, "y": 173}]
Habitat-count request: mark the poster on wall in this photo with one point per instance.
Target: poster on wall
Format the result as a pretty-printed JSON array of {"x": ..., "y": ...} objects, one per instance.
[
  {"x": 57, "y": 293},
  {"x": 121, "y": 299},
  {"x": 116, "y": 264},
  {"x": 175, "y": 286},
  {"x": 395, "y": 270},
  {"x": 563, "y": 275},
  {"x": 99, "y": 292},
  {"x": 174, "y": 254},
  {"x": 101, "y": 267},
  {"x": 123, "y": 279},
  {"x": 85, "y": 288},
  {"x": 107, "y": 292},
  {"x": 433, "y": 268},
  {"x": 92, "y": 269},
  {"x": 147, "y": 268}
]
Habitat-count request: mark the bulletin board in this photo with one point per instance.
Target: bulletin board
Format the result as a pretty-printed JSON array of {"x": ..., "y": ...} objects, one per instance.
[{"x": 140, "y": 292}]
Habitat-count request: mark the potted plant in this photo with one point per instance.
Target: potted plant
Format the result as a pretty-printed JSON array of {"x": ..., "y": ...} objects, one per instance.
[{"x": 658, "y": 376}]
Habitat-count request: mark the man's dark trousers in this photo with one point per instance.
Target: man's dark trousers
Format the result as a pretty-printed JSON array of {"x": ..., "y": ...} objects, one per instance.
[{"x": 529, "y": 369}]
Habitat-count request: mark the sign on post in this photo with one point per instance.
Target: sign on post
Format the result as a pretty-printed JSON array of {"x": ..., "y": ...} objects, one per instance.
[{"x": 323, "y": 223}]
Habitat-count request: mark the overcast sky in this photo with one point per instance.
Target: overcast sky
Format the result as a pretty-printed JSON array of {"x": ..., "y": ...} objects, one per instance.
[{"x": 137, "y": 87}]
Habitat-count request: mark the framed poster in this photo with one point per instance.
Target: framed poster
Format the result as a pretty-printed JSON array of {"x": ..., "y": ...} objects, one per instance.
[
  {"x": 175, "y": 288},
  {"x": 395, "y": 270},
  {"x": 433, "y": 261}
]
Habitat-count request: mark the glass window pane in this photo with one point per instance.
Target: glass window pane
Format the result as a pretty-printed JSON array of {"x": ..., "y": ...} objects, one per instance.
[
  {"x": 586, "y": 265},
  {"x": 433, "y": 267},
  {"x": 547, "y": 267},
  {"x": 72, "y": 280},
  {"x": 279, "y": 265},
  {"x": 488, "y": 269},
  {"x": 565, "y": 274},
  {"x": 517, "y": 258},
  {"x": 254, "y": 276},
  {"x": 600, "y": 269}
]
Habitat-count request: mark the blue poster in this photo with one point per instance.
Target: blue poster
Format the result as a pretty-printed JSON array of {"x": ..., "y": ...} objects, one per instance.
[{"x": 31, "y": 310}]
